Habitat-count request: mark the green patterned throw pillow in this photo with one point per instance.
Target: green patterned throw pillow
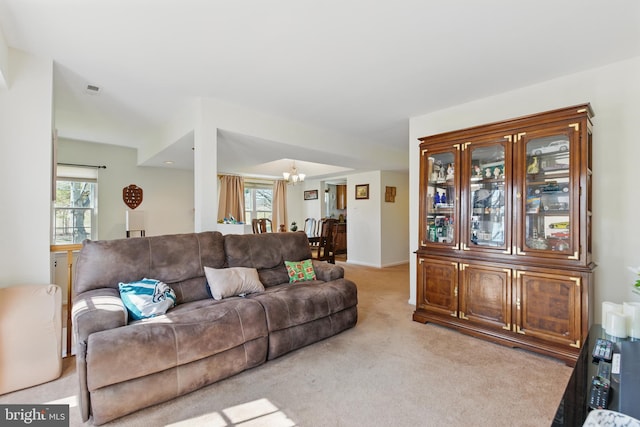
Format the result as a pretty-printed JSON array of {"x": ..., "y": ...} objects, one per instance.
[{"x": 300, "y": 270}]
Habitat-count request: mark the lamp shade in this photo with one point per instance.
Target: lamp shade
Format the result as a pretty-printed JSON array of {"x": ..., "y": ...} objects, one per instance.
[
  {"x": 134, "y": 220},
  {"x": 293, "y": 176}
]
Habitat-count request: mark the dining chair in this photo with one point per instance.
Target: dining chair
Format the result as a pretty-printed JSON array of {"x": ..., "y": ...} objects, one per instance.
[
  {"x": 310, "y": 227},
  {"x": 311, "y": 230},
  {"x": 324, "y": 250},
  {"x": 318, "y": 229},
  {"x": 261, "y": 225}
]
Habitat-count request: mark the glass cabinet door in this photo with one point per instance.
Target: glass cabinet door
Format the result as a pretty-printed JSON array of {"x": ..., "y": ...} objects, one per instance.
[
  {"x": 489, "y": 175},
  {"x": 548, "y": 194},
  {"x": 439, "y": 210}
]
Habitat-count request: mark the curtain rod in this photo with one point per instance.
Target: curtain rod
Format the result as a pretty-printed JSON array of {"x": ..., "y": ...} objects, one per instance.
[
  {"x": 248, "y": 178},
  {"x": 83, "y": 166}
]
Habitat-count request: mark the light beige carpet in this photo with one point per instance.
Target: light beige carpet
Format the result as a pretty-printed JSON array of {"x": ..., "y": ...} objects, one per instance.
[{"x": 387, "y": 371}]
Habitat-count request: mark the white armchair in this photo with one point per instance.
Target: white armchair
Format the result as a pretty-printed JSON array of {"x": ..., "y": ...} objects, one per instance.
[{"x": 30, "y": 336}]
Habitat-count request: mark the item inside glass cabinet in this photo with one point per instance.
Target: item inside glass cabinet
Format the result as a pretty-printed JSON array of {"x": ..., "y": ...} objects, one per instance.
[
  {"x": 548, "y": 194},
  {"x": 441, "y": 198},
  {"x": 487, "y": 200}
]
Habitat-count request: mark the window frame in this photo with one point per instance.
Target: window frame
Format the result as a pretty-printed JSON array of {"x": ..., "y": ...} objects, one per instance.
[
  {"x": 250, "y": 211},
  {"x": 75, "y": 174}
]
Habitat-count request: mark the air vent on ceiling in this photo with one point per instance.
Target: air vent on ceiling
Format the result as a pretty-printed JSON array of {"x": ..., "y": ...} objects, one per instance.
[{"x": 93, "y": 89}]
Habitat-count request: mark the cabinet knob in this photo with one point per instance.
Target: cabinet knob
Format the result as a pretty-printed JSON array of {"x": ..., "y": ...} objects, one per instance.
[{"x": 518, "y": 195}]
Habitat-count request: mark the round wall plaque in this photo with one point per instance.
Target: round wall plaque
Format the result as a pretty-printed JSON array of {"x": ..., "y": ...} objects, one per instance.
[{"x": 132, "y": 196}]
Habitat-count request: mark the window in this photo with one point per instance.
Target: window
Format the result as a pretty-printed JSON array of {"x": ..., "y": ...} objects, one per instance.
[
  {"x": 75, "y": 207},
  {"x": 258, "y": 200}
]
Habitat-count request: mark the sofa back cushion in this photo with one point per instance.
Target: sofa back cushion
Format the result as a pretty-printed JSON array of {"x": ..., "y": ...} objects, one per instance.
[
  {"x": 267, "y": 253},
  {"x": 177, "y": 260}
]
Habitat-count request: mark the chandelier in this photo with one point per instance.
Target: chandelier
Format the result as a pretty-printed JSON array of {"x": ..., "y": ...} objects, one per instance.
[{"x": 293, "y": 176}]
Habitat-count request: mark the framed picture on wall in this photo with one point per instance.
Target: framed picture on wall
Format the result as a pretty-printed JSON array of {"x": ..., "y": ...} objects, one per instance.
[
  {"x": 362, "y": 191},
  {"x": 390, "y": 194},
  {"x": 311, "y": 194}
]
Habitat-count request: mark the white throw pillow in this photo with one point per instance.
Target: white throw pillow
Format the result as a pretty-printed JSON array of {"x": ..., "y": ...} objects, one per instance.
[{"x": 232, "y": 281}]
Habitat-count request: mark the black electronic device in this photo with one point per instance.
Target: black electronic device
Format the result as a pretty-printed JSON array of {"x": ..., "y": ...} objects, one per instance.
[
  {"x": 604, "y": 371},
  {"x": 599, "y": 393},
  {"x": 629, "y": 391},
  {"x": 603, "y": 350}
]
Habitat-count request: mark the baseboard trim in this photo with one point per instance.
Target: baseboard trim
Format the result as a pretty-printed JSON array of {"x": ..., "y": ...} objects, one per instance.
[
  {"x": 366, "y": 264},
  {"x": 393, "y": 264}
]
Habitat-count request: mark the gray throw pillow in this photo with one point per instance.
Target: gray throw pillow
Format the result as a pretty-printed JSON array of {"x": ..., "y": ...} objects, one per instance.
[{"x": 232, "y": 281}]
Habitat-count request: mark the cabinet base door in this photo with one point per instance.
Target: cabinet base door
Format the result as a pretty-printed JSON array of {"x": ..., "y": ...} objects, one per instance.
[
  {"x": 485, "y": 296},
  {"x": 549, "y": 307},
  {"x": 437, "y": 287}
]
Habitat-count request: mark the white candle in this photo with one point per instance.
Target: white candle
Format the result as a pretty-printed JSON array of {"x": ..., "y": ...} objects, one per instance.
[
  {"x": 632, "y": 311},
  {"x": 609, "y": 307},
  {"x": 616, "y": 325}
]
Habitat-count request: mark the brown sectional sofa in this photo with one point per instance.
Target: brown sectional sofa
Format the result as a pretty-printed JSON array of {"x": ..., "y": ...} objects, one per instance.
[{"x": 125, "y": 365}]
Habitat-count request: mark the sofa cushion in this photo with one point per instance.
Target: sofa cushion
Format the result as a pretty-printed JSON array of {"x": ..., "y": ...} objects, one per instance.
[
  {"x": 146, "y": 298},
  {"x": 125, "y": 397},
  {"x": 173, "y": 339},
  {"x": 286, "y": 340},
  {"x": 177, "y": 260},
  {"x": 299, "y": 271},
  {"x": 295, "y": 304},
  {"x": 232, "y": 281},
  {"x": 267, "y": 252}
]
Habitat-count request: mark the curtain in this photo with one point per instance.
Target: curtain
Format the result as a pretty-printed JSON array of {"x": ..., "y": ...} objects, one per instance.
[
  {"x": 279, "y": 208},
  {"x": 231, "y": 199}
]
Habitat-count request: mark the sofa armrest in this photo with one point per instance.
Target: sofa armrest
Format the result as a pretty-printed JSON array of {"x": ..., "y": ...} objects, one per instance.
[
  {"x": 327, "y": 272},
  {"x": 93, "y": 311},
  {"x": 97, "y": 310}
]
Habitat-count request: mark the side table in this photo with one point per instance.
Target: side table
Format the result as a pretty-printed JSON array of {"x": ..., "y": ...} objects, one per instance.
[{"x": 573, "y": 410}]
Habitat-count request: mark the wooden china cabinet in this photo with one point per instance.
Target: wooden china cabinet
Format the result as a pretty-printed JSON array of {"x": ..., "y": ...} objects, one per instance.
[{"x": 505, "y": 231}]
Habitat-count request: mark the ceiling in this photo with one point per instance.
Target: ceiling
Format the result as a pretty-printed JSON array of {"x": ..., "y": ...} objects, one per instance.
[{"x": 354, "y": 67}]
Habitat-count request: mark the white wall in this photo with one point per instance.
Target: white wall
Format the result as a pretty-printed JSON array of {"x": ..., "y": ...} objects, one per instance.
[
  {"x": 250, "y": 122},
  {"x": 212, "y": 114},
  {"x": 378, "y": 231},
  {"x": 395, "y": 219},
  {"x": 168, "y": 193},
  {"x": 301, "y": 209},
  {"x": 25, "y": 170},
  {"x": 613, "y": 92},
  {"x": 205, "y": 167},
  {"x": 4, "y": 62},
  {"x": 364, "y": 221}
]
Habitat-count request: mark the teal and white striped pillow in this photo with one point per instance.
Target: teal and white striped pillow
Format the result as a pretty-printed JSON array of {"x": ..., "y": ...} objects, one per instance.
[{"x": 146, "y": 298}]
